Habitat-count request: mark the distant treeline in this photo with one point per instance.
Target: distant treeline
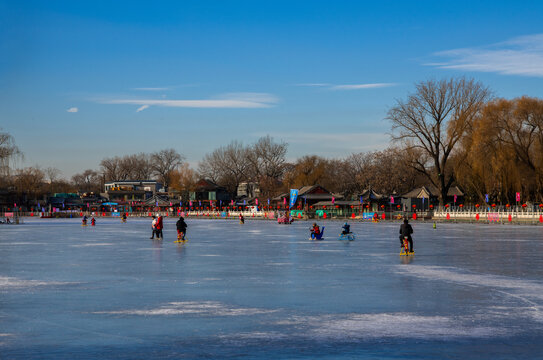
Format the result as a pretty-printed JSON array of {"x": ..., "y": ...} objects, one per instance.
[{"x": 446, "y": 132}]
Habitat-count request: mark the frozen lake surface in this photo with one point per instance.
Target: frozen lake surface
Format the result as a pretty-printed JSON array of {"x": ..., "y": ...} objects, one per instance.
[{"x": 262, "y": 290}]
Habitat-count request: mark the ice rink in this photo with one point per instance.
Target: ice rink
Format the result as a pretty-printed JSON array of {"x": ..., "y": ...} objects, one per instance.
[{"x": 263, "y": 290}]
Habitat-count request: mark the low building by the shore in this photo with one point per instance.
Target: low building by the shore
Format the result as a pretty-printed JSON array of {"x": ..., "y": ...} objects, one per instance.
[{"x": 426, "y": 197}]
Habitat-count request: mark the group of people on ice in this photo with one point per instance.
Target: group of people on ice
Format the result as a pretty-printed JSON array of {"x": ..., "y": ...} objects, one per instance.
[
  {"x": 157, "y": 225},
  {"x": 85, "y": 219},
  {"x": 405, "y": 234},
  {"x": 316, "y": 232}
]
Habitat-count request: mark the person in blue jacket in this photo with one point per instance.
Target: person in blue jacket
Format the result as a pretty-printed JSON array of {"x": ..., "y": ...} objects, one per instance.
[{"x": 346, "y": 229}]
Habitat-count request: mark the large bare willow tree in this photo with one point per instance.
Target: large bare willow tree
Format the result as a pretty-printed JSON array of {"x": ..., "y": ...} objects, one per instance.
[{"x": 432, "y": 121}]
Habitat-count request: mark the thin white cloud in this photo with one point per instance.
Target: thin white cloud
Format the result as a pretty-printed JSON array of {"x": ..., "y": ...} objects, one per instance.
[
  {"x": 141, "y": 108},
  {"x": 361, "y": 86},
  {"x": 233, "y": 100},
  {"x": 72, "y": 110},
  {"x": 519, "y": 56},
  {"x": 348, "y": 86}
]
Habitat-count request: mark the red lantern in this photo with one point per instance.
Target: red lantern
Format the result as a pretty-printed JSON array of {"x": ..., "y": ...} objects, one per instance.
[
  {"x": 507, "y": 205},
  {"x": 477, "y": 205},
  {"x": 414, "y": 206},
  {"x": 352, "y": 216},
  {"x": 477, "y": 217},
  {"x": 398, "y": 206},
  {"x": 493, "y": 205},
  {"x": 337, "y": 206},
  {"x": 524, "y": 205},
  {"x": 541, "y": 205},
  {"x": 382, "y": 206},
  {"x": 447, "y": 206},
  {"x": 461, "y": 205}
]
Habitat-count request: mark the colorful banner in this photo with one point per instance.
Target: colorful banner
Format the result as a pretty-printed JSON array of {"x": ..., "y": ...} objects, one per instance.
[
  {"x": 293, "y": 197},
  {"x": 391, "y": 199},
  {"x": 486, "y": 198},
  {"x": 518, "y": 196}
]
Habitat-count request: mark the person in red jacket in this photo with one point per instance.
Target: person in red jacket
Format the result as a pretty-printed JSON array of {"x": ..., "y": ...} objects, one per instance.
[{"x": 159, "y": 227}]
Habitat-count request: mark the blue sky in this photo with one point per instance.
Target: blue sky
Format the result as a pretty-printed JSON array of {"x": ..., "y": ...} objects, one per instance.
[{"x": 80, "y": 81}]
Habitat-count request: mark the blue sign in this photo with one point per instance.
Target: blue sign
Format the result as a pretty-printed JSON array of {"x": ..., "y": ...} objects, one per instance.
[
  {"x": 486, "y": 197},
  {"x": 293, "y": 197},
  {"x": 368, "y": 215}
]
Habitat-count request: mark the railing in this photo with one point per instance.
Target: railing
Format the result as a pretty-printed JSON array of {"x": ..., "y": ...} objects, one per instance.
[
  {"x": 516, "y": 214},
  {"x": 498, "y": 214}
]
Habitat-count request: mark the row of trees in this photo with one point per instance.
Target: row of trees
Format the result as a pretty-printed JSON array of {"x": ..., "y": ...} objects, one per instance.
[
  {"x": 454, "y": 132},
  {"x": 447, "y": 132},
  {"x": 142, "y": 166},
  {"x": 502, "y": 153}
]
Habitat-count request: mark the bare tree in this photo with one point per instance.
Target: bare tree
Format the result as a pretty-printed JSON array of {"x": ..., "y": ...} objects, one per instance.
[
  {"x": 227, "y": 166},
  {"x": 141, "y": 166},
  {"x": 87, "y": 181},
  {"x": 129, "y": 167},
  {"x": 8, "y": 152},
  {"x": 29, "y": 182},
  {"x": 267, "y": 161},
  {"x": 110, "y": 168},
  {"x": 51, "y": 175},
  {"x": 164, "y": 162},
  {"x": 433, "y": 120}
]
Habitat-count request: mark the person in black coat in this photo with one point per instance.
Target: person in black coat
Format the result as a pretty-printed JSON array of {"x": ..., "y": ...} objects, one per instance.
[
  {"x": 181, "y": 228},
  {"x": 406, "y": 230}
]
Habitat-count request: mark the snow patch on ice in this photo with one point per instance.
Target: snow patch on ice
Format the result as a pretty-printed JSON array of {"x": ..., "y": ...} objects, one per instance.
[
  {"x": 204, "y": 308},
  {"x": 92, "y": 244},
  {"x": 528, "y": 292},
  {"x": 279, "y": 263},
  {"x": 320, "y": 250},
  {"x": 525, "y": 287},
  {"x": 390, "y": 325},
  {"x": 14, "y": 283}
]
